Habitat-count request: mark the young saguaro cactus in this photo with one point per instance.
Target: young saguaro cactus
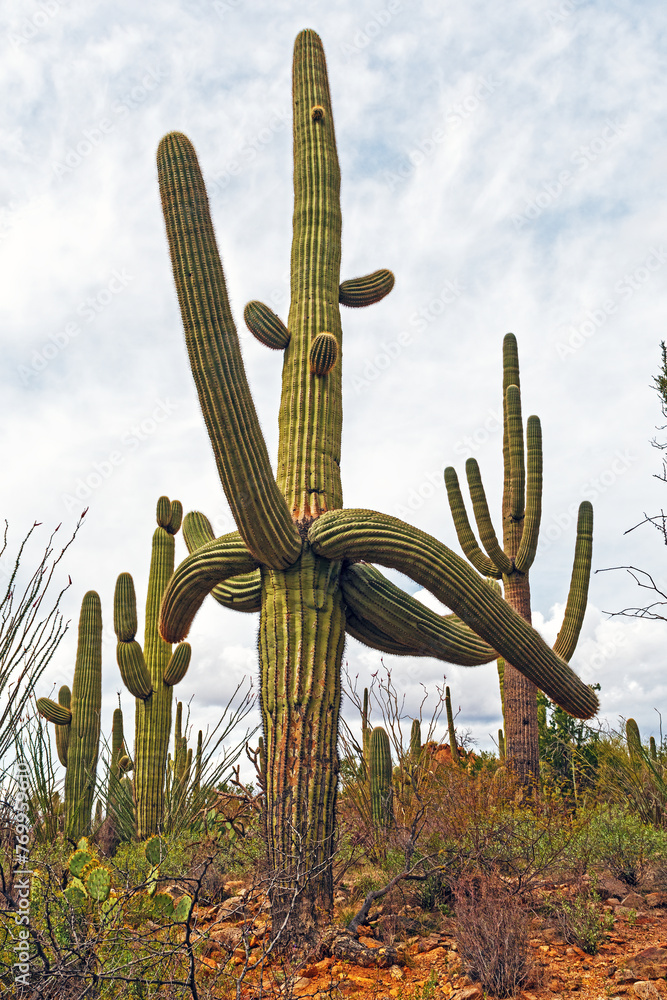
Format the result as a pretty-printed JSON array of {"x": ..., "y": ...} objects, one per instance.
[
  {"x": 150, "y": 674},
  {"x": 77, "y": 720},
  {"x": 511, "y": 561},
  {"x": 299, "y": 556},
  {"x": 380, "y": 779}
]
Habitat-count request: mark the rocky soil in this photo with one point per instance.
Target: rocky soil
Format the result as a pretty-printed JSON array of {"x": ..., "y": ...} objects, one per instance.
[{"x": 403, "y": 956}]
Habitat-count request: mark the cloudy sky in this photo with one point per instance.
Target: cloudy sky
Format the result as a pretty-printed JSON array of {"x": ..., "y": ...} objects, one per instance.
[{"x": 508, "y": 167}]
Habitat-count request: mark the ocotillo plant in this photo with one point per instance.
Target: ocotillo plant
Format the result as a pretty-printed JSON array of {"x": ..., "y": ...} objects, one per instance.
[
  {"x": 150, "y": 674},
  {"x": 77, "y": 720},
  {"x": 297, "y": 552},
  {"x": 521, "y": 513}
]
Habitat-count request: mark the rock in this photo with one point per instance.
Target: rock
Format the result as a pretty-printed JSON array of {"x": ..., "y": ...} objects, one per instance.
[
  {"x": 468, "y": 993},
  {"x": 346, "y": 947},
  {"x": 613, "y": 901},
  {"x": 633, "y": 901},
  {"x": 610, "y": 886},
  {"x": 428, "y": 943},
  {"x": 227, "y": 937},
  {"x": 368, "y": 942},
  {"x": 656, "y": 899},
  {"x": 230, "y": 905},
  {"x": 646, "y": 991},
  {"x": 396, "y": 972},
  {"x": 651, "y": 963}
]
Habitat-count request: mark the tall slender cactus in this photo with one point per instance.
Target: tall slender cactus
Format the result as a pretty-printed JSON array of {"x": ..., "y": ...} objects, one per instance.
[
  {"x": 297, "y": 555},
  {"x": 150, "y": 674},
  {"x": 511, "y": 561},
  {"x": 76, "y": 716}
]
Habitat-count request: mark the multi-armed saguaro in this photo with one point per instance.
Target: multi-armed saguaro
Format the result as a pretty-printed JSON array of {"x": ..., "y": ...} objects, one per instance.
[
  {"x": 521, "y": 514},
  {"x": 296, "y": 551},
  {"x": 76, "y": 716},
  {"x": 150, "y": 674}
]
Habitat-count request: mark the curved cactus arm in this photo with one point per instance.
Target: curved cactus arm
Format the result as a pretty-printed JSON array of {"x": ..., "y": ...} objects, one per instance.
[
  {"x": 265, "y": 326},
  {"x": 178, "y": 664},
  {"x": 196, "y": 577},
  {"x": 242, "y": 593},
  {"x": 364, "y": 534},
  {"x": 372, "y": 636},
  {"x": 483, "y": 518},
  {"x": 240, "y": 451},
  {"x": 577, "y": 597},
  {"x": 50, "y": 710},
  {"x": 464, "y": 532},
  {"x": 531, "y": 525},
  {"x": 516, "y": 453},
  {"x": 405, "y": 620},
  {"x": 366, "y": 291}
]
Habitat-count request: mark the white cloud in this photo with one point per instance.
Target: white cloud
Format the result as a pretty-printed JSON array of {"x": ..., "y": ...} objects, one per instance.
[{"x": 478, "y": 111}]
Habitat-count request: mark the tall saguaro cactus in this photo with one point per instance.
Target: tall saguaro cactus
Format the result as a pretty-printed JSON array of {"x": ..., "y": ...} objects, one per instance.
[
  {"x": 76, "y": 716},
  {"x": 150, "y": 674},
  {"x": 296, "y": 554},
  {"x": 521, "y": 514}
]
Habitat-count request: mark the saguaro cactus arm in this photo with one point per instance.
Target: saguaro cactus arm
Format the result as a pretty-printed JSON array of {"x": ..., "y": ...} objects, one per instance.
[
  {"x": 408, "y": 622},
  {"x": 241, "y": 593},
  {"x": 196, "y": 577},
  {"x": 531, "y": 525},
  {"x": 483, "y": 518},
  {"x": 260, "y": 511},
  {"x": 577, "y": 597},
  {"x": 364, "y": 534},
  {"x": 357, "y": 292},
  {"x": 464, "y": 532}
]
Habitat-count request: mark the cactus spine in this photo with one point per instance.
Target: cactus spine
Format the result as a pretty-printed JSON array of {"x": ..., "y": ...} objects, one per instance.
[
  {"x": 79, "y": 715},
  {"x": 150, "y": 674},
  {"x": 293, "y": 538},
  {"x": 380, "y": 780},
  {"x": 511, "y": 561}
]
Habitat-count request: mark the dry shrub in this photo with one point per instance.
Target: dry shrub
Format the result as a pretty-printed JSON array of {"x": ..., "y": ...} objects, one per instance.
[{"x": 492, "y": 934}]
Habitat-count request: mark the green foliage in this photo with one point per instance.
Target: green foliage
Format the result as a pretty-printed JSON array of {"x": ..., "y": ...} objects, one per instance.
[
  {"x": 569, "y": 749},
  {"x": 581, "y": 919}
]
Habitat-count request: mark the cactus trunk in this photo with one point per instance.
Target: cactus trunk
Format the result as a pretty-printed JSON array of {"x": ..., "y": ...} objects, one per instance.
[{"x": 302, "y": 631}]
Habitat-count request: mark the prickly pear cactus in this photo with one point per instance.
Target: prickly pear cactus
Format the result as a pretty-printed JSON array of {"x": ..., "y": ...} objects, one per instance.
[{"x": 297, "y": 556}]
